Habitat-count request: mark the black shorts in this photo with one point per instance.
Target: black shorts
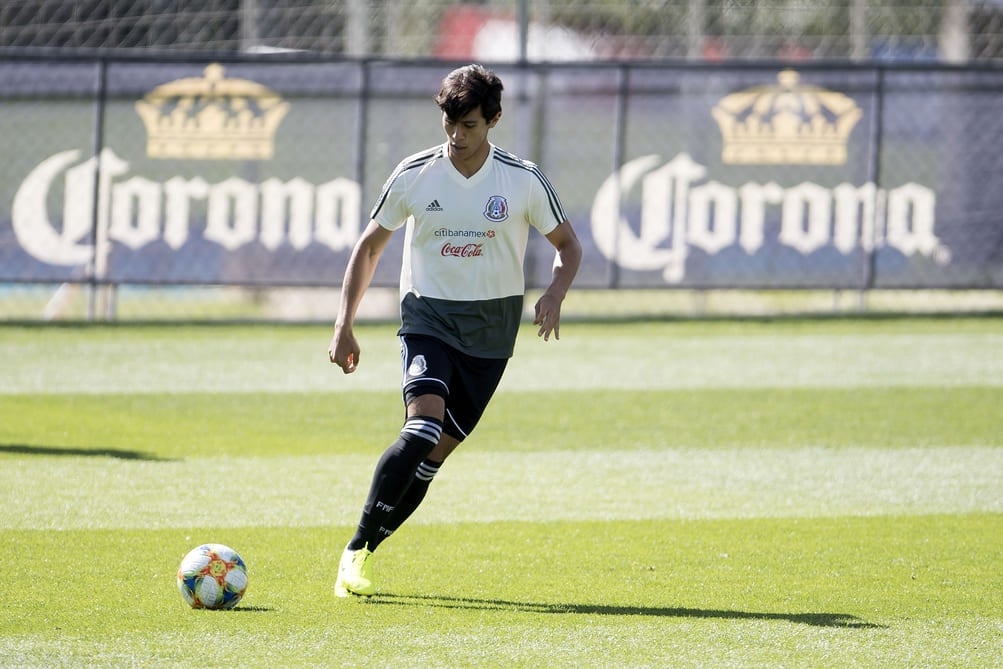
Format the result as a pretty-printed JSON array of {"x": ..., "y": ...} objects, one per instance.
[{"x": 465, "y": 382}]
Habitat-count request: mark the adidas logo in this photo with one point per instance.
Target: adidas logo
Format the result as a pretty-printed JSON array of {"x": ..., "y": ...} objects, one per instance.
[{"x": 433, "y": 206}]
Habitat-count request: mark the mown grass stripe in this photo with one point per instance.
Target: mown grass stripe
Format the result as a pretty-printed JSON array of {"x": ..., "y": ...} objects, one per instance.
[
  {"x": 75, "y": 493},
  {"x": 620, "y": 358}
]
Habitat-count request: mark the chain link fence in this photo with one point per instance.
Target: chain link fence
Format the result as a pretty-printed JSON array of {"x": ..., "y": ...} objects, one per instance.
[{"x": 702, "y": 30}]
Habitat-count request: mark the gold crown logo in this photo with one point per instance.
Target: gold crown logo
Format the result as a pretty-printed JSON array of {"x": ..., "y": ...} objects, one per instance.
[
  {"x": 211, "y": 118},
  {"x": 786, "y": 124}
]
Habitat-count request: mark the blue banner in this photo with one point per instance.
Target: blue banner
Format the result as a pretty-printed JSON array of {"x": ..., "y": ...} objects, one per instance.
[{"x": 263, "y": 173}]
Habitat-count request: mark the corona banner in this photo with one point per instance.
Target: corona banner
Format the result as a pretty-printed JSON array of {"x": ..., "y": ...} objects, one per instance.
[{"x": 259, "y": 173}]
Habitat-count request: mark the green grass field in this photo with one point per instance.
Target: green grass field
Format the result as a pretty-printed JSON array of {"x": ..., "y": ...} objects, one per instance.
[{"x": 788, "y": 493}]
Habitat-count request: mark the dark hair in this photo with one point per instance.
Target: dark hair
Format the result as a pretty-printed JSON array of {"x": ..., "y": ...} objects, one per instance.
[{"x": 467, "y": 88}]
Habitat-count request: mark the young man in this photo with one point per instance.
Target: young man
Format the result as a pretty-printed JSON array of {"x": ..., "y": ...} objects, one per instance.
[{"x": 468, "y": 207}]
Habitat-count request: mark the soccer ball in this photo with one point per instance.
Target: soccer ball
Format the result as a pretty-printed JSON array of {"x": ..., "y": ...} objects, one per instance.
[{"x": 212, "y": 576}]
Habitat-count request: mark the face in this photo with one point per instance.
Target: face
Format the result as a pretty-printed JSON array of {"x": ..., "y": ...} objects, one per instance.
[{"x": 468, "y": 136}]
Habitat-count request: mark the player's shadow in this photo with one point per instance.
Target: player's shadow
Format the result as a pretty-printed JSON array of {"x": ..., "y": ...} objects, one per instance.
[
  {"x": 121, "y": 454},
  {"x": 841, "y": 620}
]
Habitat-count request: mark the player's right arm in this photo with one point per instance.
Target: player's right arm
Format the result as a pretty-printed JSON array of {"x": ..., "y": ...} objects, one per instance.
[{"x": 344, "y": 349}]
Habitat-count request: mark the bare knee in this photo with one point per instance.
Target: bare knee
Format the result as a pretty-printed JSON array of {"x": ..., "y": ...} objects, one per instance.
[{"x": 441, "y": 451}]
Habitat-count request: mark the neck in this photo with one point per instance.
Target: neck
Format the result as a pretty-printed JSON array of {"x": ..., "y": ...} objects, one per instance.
[{"x": 469, "y": 165}]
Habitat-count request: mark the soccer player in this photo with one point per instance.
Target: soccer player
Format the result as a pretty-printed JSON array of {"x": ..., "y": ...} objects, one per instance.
[{"x": 467, "y": 206}]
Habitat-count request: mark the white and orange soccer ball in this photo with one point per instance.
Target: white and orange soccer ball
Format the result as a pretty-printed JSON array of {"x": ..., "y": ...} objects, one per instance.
[{"x": 212, "y": 576}]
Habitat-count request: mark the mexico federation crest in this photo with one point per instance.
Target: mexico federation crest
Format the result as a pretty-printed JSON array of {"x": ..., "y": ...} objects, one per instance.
[
  {"x": 496, "y": 209},
  {"x": 418, "y": 366}
]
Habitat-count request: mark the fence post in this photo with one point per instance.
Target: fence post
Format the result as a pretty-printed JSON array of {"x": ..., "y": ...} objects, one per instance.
[
  {"x": 98, "y": 147},
  {"x": 619, "y": 151},
  {"x": 874, "y": 176}
]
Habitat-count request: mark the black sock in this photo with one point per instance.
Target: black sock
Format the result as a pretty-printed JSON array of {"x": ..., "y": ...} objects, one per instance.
[
  {"x": 393, "y": 476},
  {"x": 412, "y": 498}
]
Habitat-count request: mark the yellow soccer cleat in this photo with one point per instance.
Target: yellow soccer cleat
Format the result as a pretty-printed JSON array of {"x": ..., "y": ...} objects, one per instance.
[{"x": 355, "y": 574}]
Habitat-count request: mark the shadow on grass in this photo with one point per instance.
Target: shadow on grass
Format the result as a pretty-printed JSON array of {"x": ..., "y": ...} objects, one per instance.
[
  {"x": 250, "y": 609},
  {"x": 840, "y": 620},
  {"x": 25, "y": 449},
  {"x": 237, "y": 609}
]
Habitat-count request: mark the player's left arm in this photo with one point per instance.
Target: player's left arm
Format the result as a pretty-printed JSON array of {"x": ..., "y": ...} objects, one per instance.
[{"x": 566, "y": 262}]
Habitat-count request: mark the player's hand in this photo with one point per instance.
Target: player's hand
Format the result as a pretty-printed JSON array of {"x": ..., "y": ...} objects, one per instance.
[
  {"x": 548, "y": 317},
  {"x": 344, "y": 350}
]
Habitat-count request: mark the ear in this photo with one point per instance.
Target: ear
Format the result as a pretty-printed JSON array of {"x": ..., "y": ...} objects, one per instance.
[{"x": 493, "y": 122}]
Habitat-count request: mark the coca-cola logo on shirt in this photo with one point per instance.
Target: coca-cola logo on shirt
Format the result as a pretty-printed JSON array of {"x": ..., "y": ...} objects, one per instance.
[{"x": 463, "y": 250}]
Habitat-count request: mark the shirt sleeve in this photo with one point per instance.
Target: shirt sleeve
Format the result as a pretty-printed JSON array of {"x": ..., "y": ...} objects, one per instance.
[
  {"x": 391, "y": 209},
  {"x": 545, "y": 209}
]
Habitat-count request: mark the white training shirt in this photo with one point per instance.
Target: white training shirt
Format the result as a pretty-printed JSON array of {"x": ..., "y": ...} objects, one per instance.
[{"x": 462, "y": 273}]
